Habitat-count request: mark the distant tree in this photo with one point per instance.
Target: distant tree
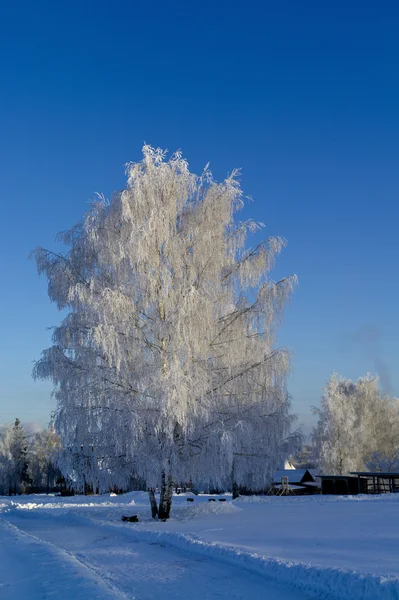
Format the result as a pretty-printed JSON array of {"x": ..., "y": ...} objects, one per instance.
[
  {"x": 6, "y": 460},
  {"x": 166, "y": 365},
  {"x": 43, "y": 458},
  {"x": 20, "y": 456},
  {"x": 355, "y": 422},
  {"x": 14, "y": 459},
  {"x": 382, "y": 463},
  {"x": 304, "y": 458}
]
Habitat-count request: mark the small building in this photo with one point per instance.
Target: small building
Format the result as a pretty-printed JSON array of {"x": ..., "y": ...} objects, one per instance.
[
  {"x": 373, "y": 482},
  {"x": 340, "y": 485},
  {"x": 360, "y": 482},
  {"x": 288, "y": 466},
  {"x": 299, "y": 481}
]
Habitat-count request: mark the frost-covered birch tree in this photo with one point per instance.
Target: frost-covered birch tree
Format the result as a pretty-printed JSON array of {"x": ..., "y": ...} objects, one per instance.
[
  {"x": 44, "y": 452},
  {"x": 6, "y": 460},
  {"x": 166, "y": 365},
  {"x": 358, "y": 426}
]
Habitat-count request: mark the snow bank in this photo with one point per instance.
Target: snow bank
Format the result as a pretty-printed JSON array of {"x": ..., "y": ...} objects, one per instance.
[
  {"x": 324, "y": 582},
  {"x": 51, "y": 502},
  {"x": 60, "y": 505},
  {"x": 318, "y": 499},
  {"x": 191, "y": 511}
]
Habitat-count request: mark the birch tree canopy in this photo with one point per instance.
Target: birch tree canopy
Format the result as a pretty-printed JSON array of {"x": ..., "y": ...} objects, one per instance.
[
  {"x": 357, "y": 426},
  {"x": 167, "y": 362}
]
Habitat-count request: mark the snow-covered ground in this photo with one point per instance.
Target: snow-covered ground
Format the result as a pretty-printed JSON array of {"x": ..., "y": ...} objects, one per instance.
[{"x": 275, "y": 548}]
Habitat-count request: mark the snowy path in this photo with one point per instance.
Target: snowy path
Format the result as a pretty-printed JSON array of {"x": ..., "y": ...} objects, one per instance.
[
  {"x": 64, "y": 556},
  {"x": 30, "y": 569}
]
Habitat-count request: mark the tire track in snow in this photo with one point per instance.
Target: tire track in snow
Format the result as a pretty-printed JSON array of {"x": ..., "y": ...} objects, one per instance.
[{"x": 65, "y": 554}]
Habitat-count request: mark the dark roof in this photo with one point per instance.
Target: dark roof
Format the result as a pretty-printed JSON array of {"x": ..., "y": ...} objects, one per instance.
[
  {"x": 294, "y": 475},
  {"x": 336, "y": 476},
  {"x": 375, "y": 474}
]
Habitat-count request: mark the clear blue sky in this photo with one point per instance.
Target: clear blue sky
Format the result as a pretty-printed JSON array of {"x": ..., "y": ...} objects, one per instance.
[{"x": 304, "y": 97}]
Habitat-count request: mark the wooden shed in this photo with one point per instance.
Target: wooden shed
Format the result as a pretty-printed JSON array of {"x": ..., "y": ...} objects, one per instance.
[
  {"x": 373, "y": 482},
  {"x": 295, "y": 476},
  {"x": 340, "y": 485},
  {"x": 296, "y": 481}
]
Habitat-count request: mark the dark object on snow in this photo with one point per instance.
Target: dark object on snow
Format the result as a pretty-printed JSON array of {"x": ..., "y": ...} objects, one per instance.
[
  {"x": 132, "y": 519},
  {"x": 190, "y": 499},
  {"x": 211, "y": 500},
  {"x": 222, "y": 499}
]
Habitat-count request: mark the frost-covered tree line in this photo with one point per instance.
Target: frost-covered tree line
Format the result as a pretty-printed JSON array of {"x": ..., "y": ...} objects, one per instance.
[
  {"x": 28, "y": 463},
  {"x": 358, "y": 427},
  {"x": 166, "y": 366}
]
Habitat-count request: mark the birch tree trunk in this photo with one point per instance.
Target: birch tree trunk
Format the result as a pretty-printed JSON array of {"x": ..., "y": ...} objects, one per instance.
[
  {"x": 235, "y": 491},
  {"x": 165, "y": 501},
  {"x": 169, "y": 496},
  {"x": 234, "y": 486},
  {"x": 153, "y": 503}
]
